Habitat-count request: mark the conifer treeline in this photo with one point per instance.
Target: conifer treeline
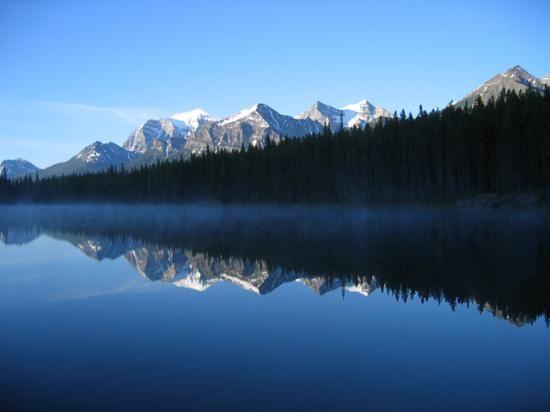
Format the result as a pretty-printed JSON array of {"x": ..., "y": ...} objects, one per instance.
[{"x": 500, "y": 147}]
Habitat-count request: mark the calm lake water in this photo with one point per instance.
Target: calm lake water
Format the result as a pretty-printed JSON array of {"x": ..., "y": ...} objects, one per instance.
[{"x": 203, "y": 308}]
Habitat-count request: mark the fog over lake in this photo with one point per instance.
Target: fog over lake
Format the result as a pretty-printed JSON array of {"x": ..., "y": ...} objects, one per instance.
[{"x": 118, "y": 307}]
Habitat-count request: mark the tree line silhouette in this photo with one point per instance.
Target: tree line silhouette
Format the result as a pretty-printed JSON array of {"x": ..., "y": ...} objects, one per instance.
[{"x": 500, "y": 147}]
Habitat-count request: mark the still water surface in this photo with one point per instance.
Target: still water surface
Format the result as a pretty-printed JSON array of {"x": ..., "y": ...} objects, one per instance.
[{"x": 205, "y": 308}]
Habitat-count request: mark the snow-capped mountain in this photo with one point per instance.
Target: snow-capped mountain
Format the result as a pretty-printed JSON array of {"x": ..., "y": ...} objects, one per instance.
[
  {"x": 546, "y": 80},
  {"x": 252, "y": 126},
  {"x": 93, "y": 158},
  {"x": 361, "y": 113},
  {"x": 516, "y": 78},
  {"x": 105, "y": 153},
  {"x": 17, "y": 168},
  {"x": 193, "y": 118},
  {"x": 358, "y": 114},
  {"x": 323, "y": 114},
  {"x": 161, "y": 138}
]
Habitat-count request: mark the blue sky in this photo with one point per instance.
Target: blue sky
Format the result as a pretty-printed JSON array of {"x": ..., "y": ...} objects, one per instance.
[{"x": 73, "y": 72}]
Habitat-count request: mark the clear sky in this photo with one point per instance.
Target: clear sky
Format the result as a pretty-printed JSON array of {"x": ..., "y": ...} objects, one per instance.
[{"x": 73, "y": 72}]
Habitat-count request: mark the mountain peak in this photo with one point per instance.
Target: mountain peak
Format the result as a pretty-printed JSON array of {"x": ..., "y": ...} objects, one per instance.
[
  {"x": 17, "y": 168},
  {"x": 244, "y": 113},
  {"x": 105, "y": 152},
  {"x": 193, "y": 118},
  {"x": 357, "y": 114},
  {"x": 164, "y": 135},
  {"x": 518, "y": 73},
  {"x": 362, "y": 106},
  {"x": 515, "y": 78},
  {"x": 319, "y": 111},
  {"x": 516, "y": 68},
  {"x": 322, "y": 106}
]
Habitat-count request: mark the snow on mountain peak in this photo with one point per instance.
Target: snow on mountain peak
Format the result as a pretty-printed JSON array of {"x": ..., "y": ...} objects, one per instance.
[
  {"x": 356, "y": 114},
  {"x": 247, "y": 111},
  {"x": 521, "y": 75},
  {"x": 516, "y": 78},
  {"x": 14, "y": 168},
  {"x": 515, "y": 71},
  {"x": 362, "y": 112},
  {"x": 363, "y": 106},
  {"x": 193, "y": 118},
  {"x": 106, "y": 152}
]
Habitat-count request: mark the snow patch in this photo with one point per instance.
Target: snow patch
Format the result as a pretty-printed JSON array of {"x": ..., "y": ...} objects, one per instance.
[
  {"x": 193, "y": 118},
  {"x": 241, "y": 115}
]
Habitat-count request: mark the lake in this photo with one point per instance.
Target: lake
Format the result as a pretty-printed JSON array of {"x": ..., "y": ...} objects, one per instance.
[{"x": 262, "y": 308}]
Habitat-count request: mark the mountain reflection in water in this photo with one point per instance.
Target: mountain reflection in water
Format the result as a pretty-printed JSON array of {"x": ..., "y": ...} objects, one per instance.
[{"x": 496, "y": 262}]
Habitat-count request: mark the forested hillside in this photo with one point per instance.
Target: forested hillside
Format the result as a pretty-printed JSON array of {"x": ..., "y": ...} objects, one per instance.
[{"x": 501, "y": 147}]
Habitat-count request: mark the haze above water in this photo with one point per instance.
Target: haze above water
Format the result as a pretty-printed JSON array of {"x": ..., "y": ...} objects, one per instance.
[{"x": 188, "y": 308}]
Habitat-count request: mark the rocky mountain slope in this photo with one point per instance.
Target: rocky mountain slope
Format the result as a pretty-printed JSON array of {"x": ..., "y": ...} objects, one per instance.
[
  {"x": 93, "y": 158},
  {"x": 516, "y": 78},
  {"x": 252, "y": 126}
]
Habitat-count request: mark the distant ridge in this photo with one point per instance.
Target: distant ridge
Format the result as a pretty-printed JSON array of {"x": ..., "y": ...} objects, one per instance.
[
  {"x": 15, "y": 168},
  {"x": 93, "y": 158}
]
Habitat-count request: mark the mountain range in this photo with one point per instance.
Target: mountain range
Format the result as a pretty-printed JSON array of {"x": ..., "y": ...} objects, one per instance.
[{"x": 188, "y": 133}]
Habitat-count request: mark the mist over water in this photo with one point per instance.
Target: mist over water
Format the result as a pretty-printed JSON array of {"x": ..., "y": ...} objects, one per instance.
[
  {"x": 456, "y": 256},
  {"x": 261, "y": 296}
]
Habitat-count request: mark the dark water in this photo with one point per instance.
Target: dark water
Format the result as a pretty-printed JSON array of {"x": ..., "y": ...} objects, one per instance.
[{"x": 170, "y": 308}]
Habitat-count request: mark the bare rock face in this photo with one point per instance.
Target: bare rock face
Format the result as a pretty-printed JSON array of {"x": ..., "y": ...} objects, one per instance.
[{"x": 165, "y": 136}]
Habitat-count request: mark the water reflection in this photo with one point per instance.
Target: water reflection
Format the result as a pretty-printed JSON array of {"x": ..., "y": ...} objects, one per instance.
[{"x": 498, "y": 263}]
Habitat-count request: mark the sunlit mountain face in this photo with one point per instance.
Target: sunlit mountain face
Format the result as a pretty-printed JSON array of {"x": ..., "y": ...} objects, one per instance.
[{"x": 457, "y": 258}]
